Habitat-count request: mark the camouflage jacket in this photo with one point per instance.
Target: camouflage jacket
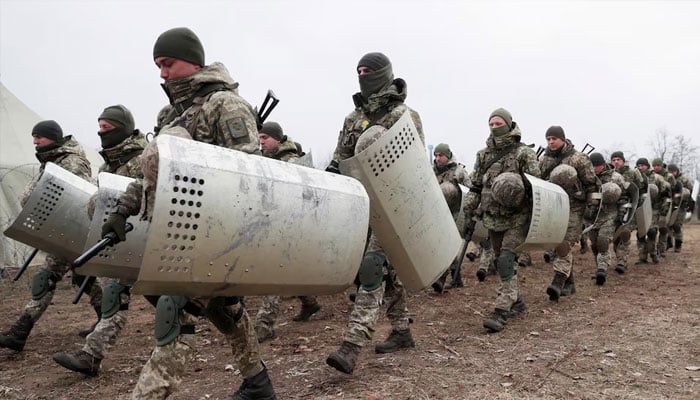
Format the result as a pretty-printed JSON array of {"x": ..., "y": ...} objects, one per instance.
[
  {"x": 587, "y": 181},
  {"x": 662, "y": 202},
  {"x": 633, "y": 175},
  {"x": 668, "y": 177},
  {"x": 67, "y": 154},
  {"x": 383, "y": 108},
  {"x": 286, "y": 151},
  {"x": 451, "y": 172},
  {"x": 610, "y": 211},
  {"x": 206, "y": 104},
  {"x": 684, "y": 181},
  {"x": 502, "y": 154},
  {"x": 124, "y": 158}
]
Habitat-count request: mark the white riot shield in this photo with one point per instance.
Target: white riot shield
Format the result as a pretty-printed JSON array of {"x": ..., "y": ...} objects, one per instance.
[
  {"x": 696, "y": 190},
  {"x": 480, "y": 232},
  {"x": 306, "y": 160},
  {"x": 643, "y": 214},
  {"x": 228, "y": 223},
  {"x": 409, "y": 214},
  {"x": 550, "y": 216},
  {"x": 55, "y": 218},
  {"x": 123, "y": 260},
  {"x": 631, "y": 206}
]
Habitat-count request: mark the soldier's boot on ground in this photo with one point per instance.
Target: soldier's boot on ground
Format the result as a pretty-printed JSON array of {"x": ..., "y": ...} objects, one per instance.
[
  {"x": 654, "y": 258},
  {"x": 524, "y": 261},
  {"x": 344, "y": 359},
  {"x": 16, "y": 336},
  {"x": 679, "y": 243},
  {"x": 548, "y": 256},
  {"x": 620, "y": 269},
  {"x": 439, "y": 284},
  {"x": 264, "y": 332},
  {"x": 584, "y": 245},
  {"x": 554, "y": 290},
  {"x": 569, "y": 285},
  {"x": 519, "y": 306},
  {"x": 396, "y": 341},
  {"x": 79, "y": 362},
  {"x": 471, "y": 256},
  {"x": 600, "y": 277},
  {"x": 481, "y": 274},
  {"x": 88, "y": 331},
  {"x": 498, "y": 320},
  {"x": 306, "y": 312},
  {"x": 258, "y": 387},
  {"x": 669, "y": 242}
]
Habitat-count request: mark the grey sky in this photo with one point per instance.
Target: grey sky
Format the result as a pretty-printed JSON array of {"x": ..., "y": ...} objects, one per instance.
[{"x": 611, "y": 73}]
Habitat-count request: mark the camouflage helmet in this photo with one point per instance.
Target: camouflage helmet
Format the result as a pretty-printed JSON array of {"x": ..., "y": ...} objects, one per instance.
[
  {"x": 611, "y": 192},
  {"x": 653, "y": 192},
  {"x": 452, "y": 195},
  {"x": 508, "y": 190},
  {"x": 565, "y": 176},
  {"x": 369, "y": 136}
]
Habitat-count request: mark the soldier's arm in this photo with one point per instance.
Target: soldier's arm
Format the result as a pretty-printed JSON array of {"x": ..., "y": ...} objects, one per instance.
[
  {"x": 233, "y": 121},
  {"x": 78, "y": 165},
  {"x": 343, "y": 149},
  {"x": 528, "y": 163},
  {"x": 419, "y": 125},
  {"x": 129, "y": 202},
  {"x": 589, "y": 182}
]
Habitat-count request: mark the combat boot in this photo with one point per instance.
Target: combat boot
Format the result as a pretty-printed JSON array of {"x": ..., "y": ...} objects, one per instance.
[
  {"x": 569, "y": 285},
  {"x": 498, "y": 320},
  {"x": 306, "y": 312},
  {"x": 584, "y": 245},
  {"x": 85, "y": 332},
  {"x": 439, "y": 284},
  {"x": 548, "y": 256},
  {"x": 519, "y": 306},
  {"x": 679, "y": 243},
  {"x": 16, "y": 337},
  {"x": 554, "y": 290},
  {"x": 600, "y": 277},
  {"x": 258, "y": 387},
  {"x": 481, "y": 274},
  {"x": 79, "y": 362},
  {"x": 396, "y": 341},
  {"x": 655, "y": 258},
  {"x": 620, "y": 269},
  {"x": 471, "y": 256},
  {"x": 669, "y": 242},
  {"x": 344, "y": 359}
]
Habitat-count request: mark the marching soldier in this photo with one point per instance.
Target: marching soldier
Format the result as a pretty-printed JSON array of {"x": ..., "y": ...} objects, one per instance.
[
  {"x": 682, "y": 182},
  {"x": 660, "y": 193},
  {"x": 659, "y": 168}
]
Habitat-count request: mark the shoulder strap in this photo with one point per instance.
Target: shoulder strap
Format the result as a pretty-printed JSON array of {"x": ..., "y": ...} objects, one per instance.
[{"x": 499, "y": 156}]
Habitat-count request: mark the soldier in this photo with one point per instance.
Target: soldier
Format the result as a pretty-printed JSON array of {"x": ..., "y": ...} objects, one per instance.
[
  {"x": 660, "y": 193},
  {"x": 660, "y": 169},
  {"x": 498, "y": 194},
  {"x": 449, "y": 174},
  {"x": 379, "y": 103},
  {"x": 275, "y": 144},
  {"x": 572, "y": 170},
  {"x": 122, "y": 145},
  {"x": 682, "y": 182},
  {"x": 614, "y": 194},
  {"x": 622, "y": 242},
  {"x": 66, "y": 152},
  {"x": 204, "y": 106}
]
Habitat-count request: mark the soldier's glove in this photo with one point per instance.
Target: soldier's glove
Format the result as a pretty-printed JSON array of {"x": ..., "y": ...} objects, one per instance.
[
  {"x": 590, "y": 213},
  {"x": 333, "y": 167},
  {"x": 115, "y": 223}
]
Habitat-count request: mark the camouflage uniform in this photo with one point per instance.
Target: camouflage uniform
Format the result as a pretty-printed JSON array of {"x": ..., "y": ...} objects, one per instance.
[
  {"x": 267, "y": 313},
  {"x": 383, "y": 108},
  {"x": 622, "y": 241},
  {"x": 659, "y": 206},
  {"x": 507, "y": 226},
  {"x": 586, "y": 184},
  {"x": 682, "y": 182},
  {"x": 69, "y": 155},
  {"x": 206, "y": 104},
  {"x": 663, "y": 216}
]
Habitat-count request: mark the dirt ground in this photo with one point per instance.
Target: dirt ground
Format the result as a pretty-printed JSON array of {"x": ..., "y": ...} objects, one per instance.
[{"x": 637, "y": 337}]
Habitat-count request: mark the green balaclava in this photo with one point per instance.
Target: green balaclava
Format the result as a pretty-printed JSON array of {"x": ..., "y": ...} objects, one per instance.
[
  {"x": 502, "y": 130},
  {"x": 123, "y": 122},
  {"x": 382, "y": 76},
  {"x": 180, "y": 43},
  {"x": 443, "y": 148}
]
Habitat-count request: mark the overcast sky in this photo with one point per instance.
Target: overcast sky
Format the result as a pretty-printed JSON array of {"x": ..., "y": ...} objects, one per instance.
[{"x": 610, "y": 72}]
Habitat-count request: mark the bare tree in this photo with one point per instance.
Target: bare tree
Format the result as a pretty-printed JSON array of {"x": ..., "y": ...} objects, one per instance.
[
  {"x": 660, "y": 143},
  {"x": 683, "y": 152}
]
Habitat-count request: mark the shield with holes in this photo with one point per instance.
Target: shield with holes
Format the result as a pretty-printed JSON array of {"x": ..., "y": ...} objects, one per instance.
[
  {"x": 123, "y": 260},
  {"x": 409, "y": 214},
  {"x": 55, "y": 218},
  {"x": 227, "y": 223}
]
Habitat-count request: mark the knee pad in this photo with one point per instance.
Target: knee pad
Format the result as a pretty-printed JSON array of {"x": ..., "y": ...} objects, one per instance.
[
  {"x": 371, "y": 271},
  {"x": 42, "y": 283},
  {"x": 111, "y": 298},
  {"x": 652, "y": 234},
  {"x": 624, "y": 236},
  {"x": 563, "y": 249},
  {"x": 602, "y": 244},
  {"x": 663, "y": 231},
  {"x": 219, "y": 313},
  {"x": 168, "y": 327},
  {"x": 505, "y": 264}
]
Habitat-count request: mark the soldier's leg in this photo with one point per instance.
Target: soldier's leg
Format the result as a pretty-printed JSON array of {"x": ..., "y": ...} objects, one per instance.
[
  {"x": 663, "y": 235},
  {"x": 651, "y": 244},
  {"x": 622, "y": 248},
  {"x": 486, "y": 260},
  {"x": 509, "y": 301},
  {"x": 677, "y": 237},
  {"x": 397, "y": 312},
  {"x": 94, "y": 292},
  {"x": 174, "y": 334},
  {"x": 266, "y": 317},
  {"x": 603, "y": 239},
  {"x": 309, "y": 307},
  {"x": 562, "y": 259}
]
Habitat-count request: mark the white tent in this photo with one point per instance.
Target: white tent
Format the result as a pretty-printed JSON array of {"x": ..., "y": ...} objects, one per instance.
[{"x": 18, "y": 166}]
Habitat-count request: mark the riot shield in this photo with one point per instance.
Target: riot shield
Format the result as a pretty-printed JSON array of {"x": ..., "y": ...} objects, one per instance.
[
  {"x": 228, "y": 223},
  {"x": 643, "y": 215},
  {"x": 409, "y": 214},
  {"x": 550, "y": 215},
  {"x": 123, "y": 260},
  {"x": 480, "y": 232},
  {"x": 306, "y": 160},
  {"x": 631, "y": 206},
  {"x": 55, "y": 218}
]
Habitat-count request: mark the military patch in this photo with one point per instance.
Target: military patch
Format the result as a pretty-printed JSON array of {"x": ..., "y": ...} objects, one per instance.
[
  {"x": 237, "y": 129},
  {"x": 364, "y": 124}
]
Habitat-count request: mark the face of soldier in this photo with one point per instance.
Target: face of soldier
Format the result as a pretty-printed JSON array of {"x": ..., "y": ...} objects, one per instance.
[
  {"x": 642, "y": 167},
  {"x": 440, "y": 159},
  {"x": 617, "y": 162},
  {"x": 173, "y": 68},
  {"x": 496, "y": 122},
  {"x": 598, "y": 168},
  {"x": 657, "y": 168},
  {"x": 554, "y": 143},
  {"x": 105, "y": 126},
  {"x": 268, "y": 143},
  {"x": 362, "y": 70},
  {"x": 674, "y": 173},
  {"x": 40, "y": 141}
]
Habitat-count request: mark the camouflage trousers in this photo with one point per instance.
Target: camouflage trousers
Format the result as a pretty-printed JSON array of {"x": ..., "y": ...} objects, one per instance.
[
  {"x": 622, "y": 243},
  {"x": 502, "y": 242},
  {"x": 270, "y": 307},
  {"x": 646, "y": 241},
  {"x": 488, "y": 257},
  {"x": 663, "y": 236},
  {"x": 102, "y": 338},
  {"x": 58, "y": 268},
  {"x": 601, "y": 237},
  {"x": 677, "y": 229},
  {"x": 163, "y": 371},
  {"x": 563, "y": 260}
]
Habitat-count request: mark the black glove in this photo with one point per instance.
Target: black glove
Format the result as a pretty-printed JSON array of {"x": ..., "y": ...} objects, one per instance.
[
  {"x": 333, "y": 167},
  {"x": 115, "y": 223}
]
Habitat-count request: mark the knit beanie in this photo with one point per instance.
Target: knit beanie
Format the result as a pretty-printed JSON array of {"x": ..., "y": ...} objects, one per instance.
[
  {"x": 180, "y": 43},
  {"x": 375, "y": 60},
  {"x": 274, "y": 130},
  {"x": 618, "y": 154},
  {"x": 597, "y": 159},
  {"x": 657, "y": 161},
  {"x": 49, "y": 129},
  {"x": 119, "y": 115},
  {"x": 643, "y": 161},
  {"x": 505, "y": 114},
  {"x": 556, "y": 131},
  {"x": 444, "y": 148},
  {"x": 673, "y": 167}
]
